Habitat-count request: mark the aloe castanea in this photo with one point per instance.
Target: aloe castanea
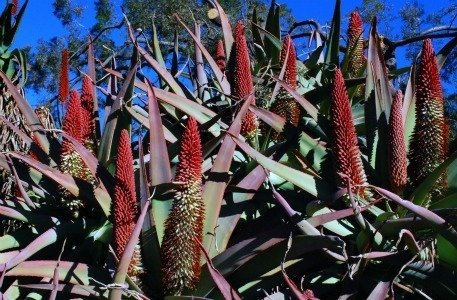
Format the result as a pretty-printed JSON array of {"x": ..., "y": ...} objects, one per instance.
[
  {"x": 355, "y": 47},
  {"x": 184, "y": 226},
  {"x": 64, "y": 84},
  {"x": 70, "y": 160},
  {"x": 125, "y": 205},
  {"x": 345, "y": 148},
  {"x": 87, "y": 115},
  {"x": 240, "y": 76},
  {"x": 429, "y": 141}
]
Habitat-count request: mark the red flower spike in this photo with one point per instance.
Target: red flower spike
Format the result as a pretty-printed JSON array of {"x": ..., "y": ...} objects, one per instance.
[
  {"x": 429, "y": 142},
  {"x": 87, "y": 113},
  {"x": 220, "y": 55},
  {"x": 290, "y": 74},
  {"x": 355, "y": 45},
  {"x": 285, "y": 106},
  {"x": 241, "y": 78},
  {"x": 125, "y": 208},
  {"x": 345, "y": 148},
  {"x": 64, "y": 86},
  {"x": 72, "y": 121},
  {"x": 15, "y": 6},
  {"x": 397, "y": 150},
  {"x": 184, "y": 226}
]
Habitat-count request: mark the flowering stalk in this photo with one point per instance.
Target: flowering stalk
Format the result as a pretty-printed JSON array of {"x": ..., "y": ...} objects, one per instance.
[
  {"x": 241, "y": 79},
  {"x": 64, "y": 86},
  {"x": 285, "y": 105},
  {"x": 345, "y": 148},
  {"x": 125, "y": 207},
  {"x": 184, "y": 226},
  {"x": 354, "y": 54},
  {"x": 70, "y": 160},
  {"x": 397, "y": 151},
  {"x": 87, "y": 115},
  {"x": 15, "y": 6},
  {"x": 429, "y": 142}
]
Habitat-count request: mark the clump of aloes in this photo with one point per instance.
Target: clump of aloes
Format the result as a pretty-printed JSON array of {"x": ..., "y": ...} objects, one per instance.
[
  {"x": 285, "y": 105},
  {"x": 125, "y": 207},
  {"x": 429, "y": 143},
  {"x": 345, "y": 147},
  {"x": 240, "y": 77},
  {"x": 184, "y": 226}
]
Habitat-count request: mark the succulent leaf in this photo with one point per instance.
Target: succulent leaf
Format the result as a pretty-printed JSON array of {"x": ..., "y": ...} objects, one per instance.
[{"x": 220, "y": 55}]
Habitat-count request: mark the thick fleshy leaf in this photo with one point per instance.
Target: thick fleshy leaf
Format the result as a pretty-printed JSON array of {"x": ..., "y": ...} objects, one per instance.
[
  {"x": 69, "y": 183},
  {"x": 159, "y": 68},
  {"x": 122, "y": 267},
  {"x": 224, "y": 287},
  {"x": 109, "y": 137},
  {"x": 272, "y": 26},
  {"x": 309, "y": 183},
  {"x": 378, "y": 100},
  {"x": 75, "y": 289},
  {"x": 214, "y": 188},
  {"x": 30, "y": 117},
  {"x": 49, "y": 237},
  {"x": 333, "y": 42},
  {"x": 221, "y": 78},
  {"x": 71, "y": 272}
]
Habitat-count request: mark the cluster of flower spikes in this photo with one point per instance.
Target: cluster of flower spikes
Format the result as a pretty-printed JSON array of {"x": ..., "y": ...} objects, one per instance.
[
  {"x": 354, "y": 52},
  {"x": 398, "y": 161},
  {"x": 285, "y": 105},
  {"x": 345, "y": 147},
  {"x": 125, "y": 206},
  {"x": 239, "y": 74},
  {"x": 430, "y": 140},
  {"x": 64, "y": 84},
  {"x": 70, "y": 160},
  {"x": 180, "y": 250}
]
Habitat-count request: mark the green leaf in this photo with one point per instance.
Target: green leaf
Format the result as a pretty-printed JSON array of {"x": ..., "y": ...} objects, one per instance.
[
  {"x": 307, "y": 182},
  {"x": 333, "y": 42},
  {"x": 272, "y": 26},
  {"x": 378, "y": 100}
]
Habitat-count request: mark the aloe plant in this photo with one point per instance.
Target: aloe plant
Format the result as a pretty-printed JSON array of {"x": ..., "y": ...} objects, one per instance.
[{"x": 236, "y": 211}]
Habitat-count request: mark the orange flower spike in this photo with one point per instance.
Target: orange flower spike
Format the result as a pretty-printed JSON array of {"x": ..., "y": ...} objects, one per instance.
[
  {"x": 220, "y": 55},
  {"x": 184, "y": 226},
  {"x": 397, "y": 150},
  {"x": 64, "y": 86},
  {"x": 125, "y": 208},
  {"x": 355, "y": 45},
  {"x": 241, "y": 78},
  {"x": 345, "y": 147},
  {"x": 429, "y": 142}
]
